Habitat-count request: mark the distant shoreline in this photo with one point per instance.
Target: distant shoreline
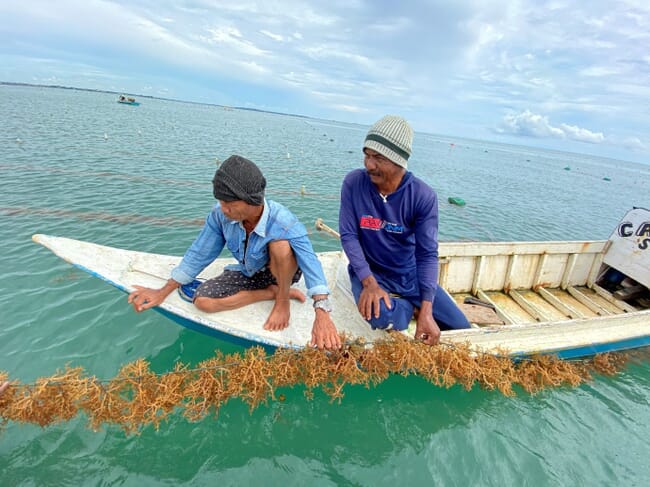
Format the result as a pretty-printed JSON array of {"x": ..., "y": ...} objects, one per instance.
[
  {"x": 62, "y": 87},
  {"x": 443, "y": 138}
]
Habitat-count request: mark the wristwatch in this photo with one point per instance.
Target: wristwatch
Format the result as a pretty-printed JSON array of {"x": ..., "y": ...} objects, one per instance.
[{"x": 323, "y": 304}]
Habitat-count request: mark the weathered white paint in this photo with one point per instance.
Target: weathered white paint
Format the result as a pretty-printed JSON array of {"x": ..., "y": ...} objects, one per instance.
[{"x": 534, "y": 273}]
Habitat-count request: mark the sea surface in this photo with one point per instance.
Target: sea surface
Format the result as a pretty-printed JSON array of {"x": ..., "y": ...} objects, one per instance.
[{"x": 80, "y": 165}]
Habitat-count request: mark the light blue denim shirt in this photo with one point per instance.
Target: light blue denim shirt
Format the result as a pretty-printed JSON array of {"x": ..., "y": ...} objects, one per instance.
[{"x": 276, "y": 223}]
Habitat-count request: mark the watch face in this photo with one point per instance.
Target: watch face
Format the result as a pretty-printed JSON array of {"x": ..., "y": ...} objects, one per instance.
[{"x": 323, "y": 304}]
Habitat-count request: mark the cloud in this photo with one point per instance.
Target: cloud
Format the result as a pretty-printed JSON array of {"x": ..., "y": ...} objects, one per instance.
[
  {"x": 531, "y": 124},
  {"x": 232, "y": 38},
  {"x": 582, "y": 135},
  {"x": 634, "y": 144},
  {"x": 275, "y": 37},
  {"x": 446, "y": 66}
]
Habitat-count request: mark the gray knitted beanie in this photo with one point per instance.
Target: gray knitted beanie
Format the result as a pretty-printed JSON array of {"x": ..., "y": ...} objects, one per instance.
[
  {"x": 392, "y": 137},
  {"x": 239, "y": 179}
]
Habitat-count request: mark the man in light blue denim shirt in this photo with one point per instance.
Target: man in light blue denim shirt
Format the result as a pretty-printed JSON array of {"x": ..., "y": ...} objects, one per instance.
[{"x": 272, "y": 251}]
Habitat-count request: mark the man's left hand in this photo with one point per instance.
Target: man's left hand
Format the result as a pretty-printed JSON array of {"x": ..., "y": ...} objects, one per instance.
[
  {"x": 323, "y": 333},
  {"x": 427, "y": 329}
]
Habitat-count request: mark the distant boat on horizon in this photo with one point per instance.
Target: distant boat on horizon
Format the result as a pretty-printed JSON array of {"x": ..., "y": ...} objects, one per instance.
[{"x": 127, "y": 100}]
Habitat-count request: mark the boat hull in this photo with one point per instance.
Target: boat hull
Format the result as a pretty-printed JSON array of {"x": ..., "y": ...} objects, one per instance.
[{"x": 530, "y": 279}]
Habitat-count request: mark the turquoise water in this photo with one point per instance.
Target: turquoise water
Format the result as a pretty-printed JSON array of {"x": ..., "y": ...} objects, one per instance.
[{"x": 78, "y": 164}]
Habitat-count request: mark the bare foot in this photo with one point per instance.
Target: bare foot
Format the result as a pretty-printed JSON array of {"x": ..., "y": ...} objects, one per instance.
[
  {"x": 294, "y": 293},
  {"x": 279, "y": 317},
  {"x": 297, "y": 294}
]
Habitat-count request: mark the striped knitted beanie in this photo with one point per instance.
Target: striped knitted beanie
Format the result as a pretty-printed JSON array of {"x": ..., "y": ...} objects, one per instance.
[
  {"x": 392, "y": 137},
  {"x": 239, "y": 179}
]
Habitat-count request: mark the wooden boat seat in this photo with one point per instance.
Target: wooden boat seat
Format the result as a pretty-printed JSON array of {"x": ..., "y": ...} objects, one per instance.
[{"x": 480, "y": 315}]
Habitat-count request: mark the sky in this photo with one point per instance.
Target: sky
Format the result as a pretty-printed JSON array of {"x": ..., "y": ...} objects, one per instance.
[{"x": 568, "y": 75}]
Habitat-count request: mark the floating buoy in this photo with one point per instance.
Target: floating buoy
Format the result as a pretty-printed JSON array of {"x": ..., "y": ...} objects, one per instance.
[
  {"x": 455, "y": 200},
  {"x": 302, "y": 190}
]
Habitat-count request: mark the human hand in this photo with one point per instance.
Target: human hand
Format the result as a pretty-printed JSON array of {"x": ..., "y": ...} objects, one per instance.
[
  {"x": 323, "y": 333},
  {"x": 144, "y": 298},
  {"x": 370, "y": 298},
  {"x": 426, "y": 329}
]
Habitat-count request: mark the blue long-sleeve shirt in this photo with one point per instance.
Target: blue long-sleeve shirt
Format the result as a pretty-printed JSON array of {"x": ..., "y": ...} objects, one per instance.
[
  {"x": 276, "y": 223},
  {"x": 395, "y": 240}
]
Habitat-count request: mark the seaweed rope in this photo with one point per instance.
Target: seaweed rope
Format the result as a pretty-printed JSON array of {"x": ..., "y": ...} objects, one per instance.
[{"x": 137, "y": 397}]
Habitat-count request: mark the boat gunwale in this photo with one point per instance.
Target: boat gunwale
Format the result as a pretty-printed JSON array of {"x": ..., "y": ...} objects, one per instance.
[{"x": 572, "y": 350}]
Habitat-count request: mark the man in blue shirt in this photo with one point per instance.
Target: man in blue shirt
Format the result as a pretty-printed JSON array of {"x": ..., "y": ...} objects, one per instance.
[
  {"x": 389, "y": 231},
  {"x": 272, "y": 251}
]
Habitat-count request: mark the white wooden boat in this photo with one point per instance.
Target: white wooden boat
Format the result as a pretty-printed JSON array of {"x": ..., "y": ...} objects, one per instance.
[{"x": 548, "y": 297}]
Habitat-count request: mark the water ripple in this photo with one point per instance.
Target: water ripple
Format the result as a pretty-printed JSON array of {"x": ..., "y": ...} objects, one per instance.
[{"x": 139, "y": 178}]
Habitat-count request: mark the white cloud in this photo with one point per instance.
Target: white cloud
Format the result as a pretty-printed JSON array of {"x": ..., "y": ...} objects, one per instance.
[
  {"x": 232, "y": 38},
  {"x": 350, "y": 108},
  {"x": 275, "y": 37},
  {"x": 447, "y": 66},
  {"x": 534, "y": 125},
  {"x": 634, "y": 143},
  {"x": 581, "y": 135},
  {"x": 598, "y": 71}
]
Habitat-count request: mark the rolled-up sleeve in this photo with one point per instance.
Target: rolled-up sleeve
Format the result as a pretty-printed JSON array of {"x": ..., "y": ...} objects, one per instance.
[{"x": 309, "y": 265}]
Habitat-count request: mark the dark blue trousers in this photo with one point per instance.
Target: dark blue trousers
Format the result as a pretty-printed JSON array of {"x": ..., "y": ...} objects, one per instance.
[{"x": 445, "y": 312}]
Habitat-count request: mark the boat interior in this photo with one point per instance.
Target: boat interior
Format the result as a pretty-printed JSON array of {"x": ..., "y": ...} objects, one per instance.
[{"x": 533, "y": 282}]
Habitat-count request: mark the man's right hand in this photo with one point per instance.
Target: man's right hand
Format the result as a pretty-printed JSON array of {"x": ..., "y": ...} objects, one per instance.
[
  {"x": 323, "y": 333},
  {"x": 370, "y": 298},
  {"x": 144, "y": 298}
]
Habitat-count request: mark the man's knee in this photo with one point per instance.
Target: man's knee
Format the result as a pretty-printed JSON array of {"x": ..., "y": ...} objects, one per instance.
[
  {"x": 280, "y": 248},
  {"x": 380, "y": 323},
  {"x": 281, "y": 255},
  {"x": 396, "y": 318},
  {"x": 205, "y": 304}
]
